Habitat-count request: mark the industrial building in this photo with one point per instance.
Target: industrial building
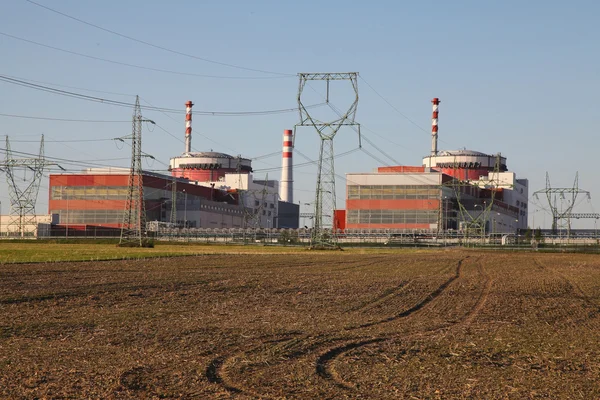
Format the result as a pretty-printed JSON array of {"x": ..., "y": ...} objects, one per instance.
[
  {"x": 204, "y": 190},
  {"x": 451, "y": 191},
  {"x": 32, "y": 227}
]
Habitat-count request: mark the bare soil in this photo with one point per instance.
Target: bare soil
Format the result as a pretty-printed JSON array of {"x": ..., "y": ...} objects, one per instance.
[{"x": 423, "y": 325}]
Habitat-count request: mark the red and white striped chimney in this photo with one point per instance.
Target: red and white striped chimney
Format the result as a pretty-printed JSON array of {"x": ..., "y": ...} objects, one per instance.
[
  {"x": 434, "y": 126},
  {"x": 286, "y": 186},
  {"x": 188, "y": 126}
]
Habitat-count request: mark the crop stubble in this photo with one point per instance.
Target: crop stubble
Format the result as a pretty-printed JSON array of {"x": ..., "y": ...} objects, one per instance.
[{"x": 445, "y": 324}]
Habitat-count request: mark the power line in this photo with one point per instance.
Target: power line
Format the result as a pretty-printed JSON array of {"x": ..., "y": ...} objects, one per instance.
[
  {"x": 63, "y": 141},
  {"x": 337, "y": 111},
  {"x": 95, "y": 99},
  {"x": 309, "y": 162},
  {"x": 391, "y": 105},
  {"x": 275, "y": 153},
  {"x": 124, "y": 64},
  {"x": 84, "y": 163},
  {"x": 59, "y": 119},
  {"x": 379, "y": 150},
  {"x": 72, "y": 87},
  {"x": 156, "y": 46}
]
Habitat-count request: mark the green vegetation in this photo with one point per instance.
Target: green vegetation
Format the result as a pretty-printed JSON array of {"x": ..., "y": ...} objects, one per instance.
[
  {"x": 53, "y": 251},
  {"x": 23, "y": 252}
]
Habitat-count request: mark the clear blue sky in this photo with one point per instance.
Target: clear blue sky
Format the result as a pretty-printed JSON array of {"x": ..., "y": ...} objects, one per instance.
[{"x": 516, "y": 77}]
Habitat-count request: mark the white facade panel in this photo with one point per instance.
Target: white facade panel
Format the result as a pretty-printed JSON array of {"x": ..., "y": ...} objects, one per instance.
[{"x": 394, "y": 179}]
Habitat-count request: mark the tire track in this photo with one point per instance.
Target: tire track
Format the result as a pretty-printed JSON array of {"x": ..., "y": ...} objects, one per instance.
[
  {"x": 323, "y": 366},
  {"x": 432, "y": 296},
  {"x": 382, "y": 298},
  {"x": 325, "y": 371},
  {"x": 216, "y": 370},
  {"x": 300, "y": 345},
  {"x": 214, "y": 375},
  {"x": 389, "y": 294},
  {"x": 483, "y": 296},
  {"x": 288, "y": 349},
  {"x": 575, "y": 288}
]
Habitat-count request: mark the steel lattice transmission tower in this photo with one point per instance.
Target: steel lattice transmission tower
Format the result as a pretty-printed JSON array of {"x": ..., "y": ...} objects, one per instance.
[
  {"x": 474, "y": 220},
  {"x": 324, "y": 233},
  {"x": 133, "y": 230},
  {"x": 22, "y": 221},
  {"x": 561, "y": 202}
]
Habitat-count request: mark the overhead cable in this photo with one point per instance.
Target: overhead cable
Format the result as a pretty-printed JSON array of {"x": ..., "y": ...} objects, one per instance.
[
  {"x": 124, "y": 64},
  {"x": 118, "y": 103},
  {"x": 157, "y": 46},
  {"x": 60, "y": 119},
  {"x": 393, "y": 107}
]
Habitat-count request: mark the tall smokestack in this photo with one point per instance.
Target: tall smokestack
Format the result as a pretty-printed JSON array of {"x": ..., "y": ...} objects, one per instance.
[
  {"x": 286, "y": 187},
  {"x": 188, "y": 126},
  {"x": 434, "y": 126}
]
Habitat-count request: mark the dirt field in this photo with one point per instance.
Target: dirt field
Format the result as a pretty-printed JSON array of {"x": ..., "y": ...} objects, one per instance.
[{"x": 423, "y": 325}]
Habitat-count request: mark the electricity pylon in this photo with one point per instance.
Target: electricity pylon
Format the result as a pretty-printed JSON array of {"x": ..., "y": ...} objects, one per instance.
[
  {"x": 252, "y": 216},
  {"x": 474, "y": 220},
  {"x": 133, "y": 230},
  {"x": 561, "y": 202},
  {"x": 22, "y": 221},
  {"x": 324, "y": 234}
]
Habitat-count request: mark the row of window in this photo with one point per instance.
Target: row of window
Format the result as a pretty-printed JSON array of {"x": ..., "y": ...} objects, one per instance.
[
  {"x": 393, "y": 216},
  {"x": 265, "y": 204},
  {"x": 395, "y": 192},
  {"x": 521, "y": 203},
  {"x": 102, "y": 193},
  {"x": 89, "y": 193},
  {"x": 89, "y": 216}
]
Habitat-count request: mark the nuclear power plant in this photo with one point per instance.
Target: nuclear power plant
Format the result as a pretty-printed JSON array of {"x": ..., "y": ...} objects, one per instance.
[
  {"x": 204, "y": 190},
  {"x": 461, "y": 191}
]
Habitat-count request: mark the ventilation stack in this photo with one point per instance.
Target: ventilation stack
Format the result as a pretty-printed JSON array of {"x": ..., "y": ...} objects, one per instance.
[
  {"x": 286, "y": 191},
  {"x": 188, "y": 126},
  {"x": 434, "y": 126}
]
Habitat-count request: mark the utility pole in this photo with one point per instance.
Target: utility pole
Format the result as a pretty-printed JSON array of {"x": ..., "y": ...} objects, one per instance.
[
  {"x": 324, "y": 234},
  {"x": 173, "y": 219},
  {"x": 23, "y": 196},
  {"x": 133, "y": 230}
]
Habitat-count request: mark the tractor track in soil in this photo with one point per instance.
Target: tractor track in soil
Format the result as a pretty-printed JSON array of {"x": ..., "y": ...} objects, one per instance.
[
  {"x": 432, "y": 296},
  {"x": 293, "y": 348},
  {"x": 574, "y": 287},
  {"x": 324, "y": 365},
  {"x": 483, "y": 296},
  {"x": 216, "y": 372},
  {"x": 388, "y": 294}
]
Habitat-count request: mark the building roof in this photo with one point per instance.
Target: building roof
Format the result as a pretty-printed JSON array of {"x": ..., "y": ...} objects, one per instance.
[
  {"x": 462, "y": 152},
  {"x": 210, "y": 154}
]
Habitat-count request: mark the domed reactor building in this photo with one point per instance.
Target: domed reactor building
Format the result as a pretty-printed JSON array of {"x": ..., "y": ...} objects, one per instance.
[
  {"x": 453, "y": 190},
  {"x": 260, "y": 200}
]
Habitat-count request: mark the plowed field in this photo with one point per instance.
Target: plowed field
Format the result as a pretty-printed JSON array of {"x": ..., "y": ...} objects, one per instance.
[{"x": 439, "y": 324}]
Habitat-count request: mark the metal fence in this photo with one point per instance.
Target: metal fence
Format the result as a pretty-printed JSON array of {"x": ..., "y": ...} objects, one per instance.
[{"x": 385, "y": 238}]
